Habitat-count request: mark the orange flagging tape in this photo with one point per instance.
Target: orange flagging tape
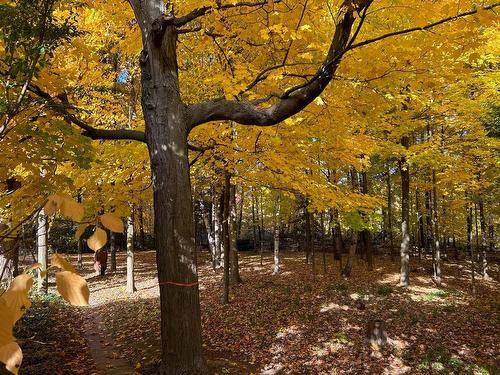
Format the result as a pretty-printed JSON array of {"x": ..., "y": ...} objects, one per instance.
[{"x": 177, "y": 284}]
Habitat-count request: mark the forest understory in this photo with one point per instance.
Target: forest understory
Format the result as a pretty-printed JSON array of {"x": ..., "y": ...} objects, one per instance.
[{"x": 291, "y": 323}]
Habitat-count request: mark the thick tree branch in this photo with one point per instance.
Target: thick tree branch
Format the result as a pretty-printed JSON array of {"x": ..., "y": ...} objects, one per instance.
[
  {"x": 88, "y": 131},
  {"x": 297, "y": 98}
]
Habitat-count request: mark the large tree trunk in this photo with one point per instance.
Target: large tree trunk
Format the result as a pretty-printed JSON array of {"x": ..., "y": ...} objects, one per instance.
[
  {"x": 405, "y": 219},
  {"x": 42, "y": 249},
  {"x": 437, "y": 248},
  {"x": 130, "y": 254},
  {"x": 166, "y": 136}
]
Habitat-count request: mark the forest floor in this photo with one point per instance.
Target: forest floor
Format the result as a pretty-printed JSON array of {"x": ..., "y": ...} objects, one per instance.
[{"x": 293, "y": 323}]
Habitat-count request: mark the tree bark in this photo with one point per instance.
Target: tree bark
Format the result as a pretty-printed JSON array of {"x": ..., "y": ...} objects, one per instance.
[
  {"x": 216, "y": 217},
  {"x": 130, "y": 254},
  {"x": 276, "y": 234},
  {"x": 389, "y": 213},
  {"x": 484, "y": 240},
  {"x": 435, "y": 219},
  {"x": 405, "y": 218},
  {"x": 225, "y": 232},
  {"x": 366, "y": 234},
  {"x": 347, "y": 270},
  {"x": 212, "y": 246},
  {"x": 234, "y": 256},
  {"x": 79, "y": 261},
  {"x": 112, "y": 250},
  {"x": 42, "y": 250}
]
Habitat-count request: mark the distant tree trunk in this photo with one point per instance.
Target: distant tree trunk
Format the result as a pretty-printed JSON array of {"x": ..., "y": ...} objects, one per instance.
[
  {"x": 491, "y": 231},
  {"x": 240, "y": 212},
  {"x": 261, "y": 230},
  {"x": 323, "y": 248},
  {"x": 429, "y": 240},
  {"x": 212, "y": 246},
  {"x": 484, "y": 240},
  {"x": 347, "y": 270},
  {"x": 225, "y": 233},
  {"x": 216, "y": 217},
  {"x": 276, "y": 234},
  {"x": 130, "y": 254},
  {"x": 405, "y": 218},
  {"x": 455, "y": 248},
  {"x": 142, "y": 234},
  {"x": 473, "y": 262},
  {"x": 337, "y": 238},
  {"x": 435, "y": 219},
  {"x": 79, "y": 261},
  {"x": 112, "y": 250},
  {"x": 254, "y": 222},
  {"x": 420, "y": 220},
  {"x": 41, "y": 241},
  {"x": 235, "y": 267},
  {"x": 366, "y": 234},
  {"x": 389, "y": 213},
  {"x": 15, "y": 259},
  {"x": 469, "y": 229}
]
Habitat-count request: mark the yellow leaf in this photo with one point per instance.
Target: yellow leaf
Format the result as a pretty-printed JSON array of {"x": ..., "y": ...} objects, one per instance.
[
  {"x": 112, "y": 222},
  {"x": 58, "y": 261},
  {"x": 80, "y": 231},
  {"x": 12, "y": 356},
  {"x": 97, "y": 240},
  {"x": 72, "y": 209},
  {"x": 73, "y": 288},
  {"x": 16, "y": 296}
]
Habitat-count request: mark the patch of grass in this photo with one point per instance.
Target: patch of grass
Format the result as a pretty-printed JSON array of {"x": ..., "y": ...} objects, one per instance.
[
  {"x": 342, "y": 338},
  {"x": 340, "y": 287},
  {"x": 440, "y": 360},
  {"x": 431, "y": 296},
  {"x": 383, "y": 290}
]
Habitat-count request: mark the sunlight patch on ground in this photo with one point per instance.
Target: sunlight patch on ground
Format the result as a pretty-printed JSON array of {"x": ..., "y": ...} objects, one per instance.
[
  {"x": 390, "y": 278},
  {"x": 396, "y": 366},
  {"x": 333, "y": 306}
]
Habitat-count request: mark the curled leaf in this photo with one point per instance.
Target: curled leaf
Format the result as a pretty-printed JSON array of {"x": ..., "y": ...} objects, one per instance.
[
  {"x": 59, "y": 261},
  {"x": 97, "y": 240},
  {"x": 113, "y": 222},
  {"x": 73, "y": 288}
]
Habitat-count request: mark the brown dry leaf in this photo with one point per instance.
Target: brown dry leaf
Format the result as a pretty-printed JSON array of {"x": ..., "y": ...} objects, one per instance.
[
  {"x": 97, "y": 240},
  {"x": 59, "y": 261},
  {"x": 72, "y": 209},
  {"x": 73, "y": 288},
  {"x": 113, "y": 222}
]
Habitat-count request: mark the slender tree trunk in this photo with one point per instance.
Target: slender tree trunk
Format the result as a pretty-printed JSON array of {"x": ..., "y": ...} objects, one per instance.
[
  {"x": 42, "y": 250},
  {"x": 216, "y": 217},
  {"x": 405, "y": 219},
  {"x": 389, "y": 214},
  {"x": 347, "y": 270},
  {"x": 276, "y": 234},
  {"x": 130, "y": 254},
  {"x": 469, "y": 229},
  {"x": 323, "y": 248},
  {"x": 225, "y": 231},
  {"x": 484, "y": 241},
  {"x": 112, "y": 250},
  {"x": 337, "y": 238},
  {"x": 472, "y": 257},
  {"x": 366, "y": 234},
  {"x": 435, "y": 219},
  {"x": 240, "y": 212},
  {"x": 420, "y": 221},
  {"x": 254, "y": 222},
  {"x": 142, "y": 234},
  {"x": 234, "y": 256},
  {"x": 212, "y": 246},
  {"x": 261, "y": 230}
]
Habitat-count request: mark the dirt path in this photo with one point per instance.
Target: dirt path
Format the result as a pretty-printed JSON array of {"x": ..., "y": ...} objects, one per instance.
[{"x": 106, "y": 357}]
